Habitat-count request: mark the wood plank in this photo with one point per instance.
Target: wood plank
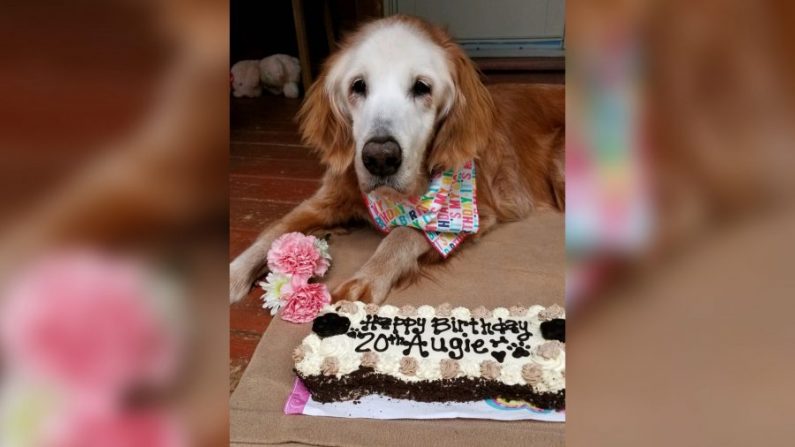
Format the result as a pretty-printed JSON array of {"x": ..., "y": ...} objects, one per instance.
[
  {"x": 268, "y": 111},
  {"x": 272, "y": 151},
  {"x": 242, "y": 344},
  {"x": 241, "y": 239},
  {"x": 251, "y": 319},
  {"x": 255, "y": 215},
  {"x": 268, "y": 188},
  {"x": 298, "y": 169},
  {"x": 266, "y": 136}
]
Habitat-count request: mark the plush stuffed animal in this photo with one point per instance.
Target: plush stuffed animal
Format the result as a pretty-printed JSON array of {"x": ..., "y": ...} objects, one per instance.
[
  {"x": 280, "y": 73},
  {"x": 245, "y": 79}
]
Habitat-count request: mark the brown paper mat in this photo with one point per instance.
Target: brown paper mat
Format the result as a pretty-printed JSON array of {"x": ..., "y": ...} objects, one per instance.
[{"x": 521, "y": 262}]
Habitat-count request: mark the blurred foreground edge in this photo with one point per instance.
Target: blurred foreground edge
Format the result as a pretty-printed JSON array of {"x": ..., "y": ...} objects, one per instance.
[{"x": 114, "y": 132}]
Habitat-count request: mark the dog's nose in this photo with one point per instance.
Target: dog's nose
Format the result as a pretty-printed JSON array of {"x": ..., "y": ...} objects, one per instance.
[{"x": 382, "y": 156}]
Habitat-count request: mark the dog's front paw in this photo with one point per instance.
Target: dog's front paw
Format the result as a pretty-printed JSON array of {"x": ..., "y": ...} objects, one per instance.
[{"x": 360, "y": 289}]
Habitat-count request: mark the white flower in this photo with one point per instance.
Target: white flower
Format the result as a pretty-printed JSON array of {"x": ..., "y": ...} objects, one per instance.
[
  {"x": 276, "y": 285},
  {"x": 322, "y": 247}
]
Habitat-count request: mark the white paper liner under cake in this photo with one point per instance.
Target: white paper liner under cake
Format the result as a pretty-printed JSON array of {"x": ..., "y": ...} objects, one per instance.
[{"x": 379, "y": 407}]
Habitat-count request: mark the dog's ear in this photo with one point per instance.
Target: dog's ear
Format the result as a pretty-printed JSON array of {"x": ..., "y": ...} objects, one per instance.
[
  {"x": 465, "y": 130},
  {"x": 324, "y": 127}
]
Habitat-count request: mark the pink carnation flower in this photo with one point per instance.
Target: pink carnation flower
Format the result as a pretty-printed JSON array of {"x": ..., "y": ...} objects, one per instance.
[
  {"x": 304, "y": 302},
  {"x": 297, "y": 255},
  {"x": 80, "y": 428},
  {"x": 85, "y": 321}
]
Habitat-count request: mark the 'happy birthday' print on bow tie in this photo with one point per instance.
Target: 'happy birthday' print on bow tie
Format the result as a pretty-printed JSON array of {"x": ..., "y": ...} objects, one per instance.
[{"x": 446, "y": 214}]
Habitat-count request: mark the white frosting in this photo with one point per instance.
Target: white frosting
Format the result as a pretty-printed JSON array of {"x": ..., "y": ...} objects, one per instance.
[
  {"x": 335, "y": 346},
  {"x": 533, "y": 310},
  {"x": 469, "y": 367},
  {"x": 557, "y": 364},
  {"x": 388, "y": 311},
  {"x": 328, "y": 308},
  {"x": 429, "y": 369},
  {"x": 313, "y": 341},
  {"x": 500, "y": 312},
  {"x": 551, "y": 381},
  {"x": 389, "y": 363},
  {"x": 343, "y": 347},
  {"x": 512, "y": 374},
  {"x": 426, "y": 311},
  {"x": 310, "y": 365},
  {"x": 462, "y": 313},
  {"x": 357, "y": 317}
]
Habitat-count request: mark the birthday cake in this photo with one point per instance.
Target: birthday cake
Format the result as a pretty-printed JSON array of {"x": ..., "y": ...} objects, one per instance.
[{"x": 440, "y": 354}]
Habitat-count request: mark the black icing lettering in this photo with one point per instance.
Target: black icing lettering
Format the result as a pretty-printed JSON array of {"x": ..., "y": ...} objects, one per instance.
[
  {"x": 499, "y": 326},
  {"x": 477, "y": 346},
  {"x": 496, "y": 343},
  {"x": 384, "y": 343},
  {"x": 511, "y": 326},
  {"x": 485, "y": 327},
  {"x": 474, "y": 325},
  {"x": 369, "y": 336},
  {"x": 419, "y": 343},
  {"x": 457, "y": 325},
  {"x": 440, "y": 325},
  {"x": 374, "y": 322},
  {"x": 405, "y": 323},
  {"x": 397, "y": 340},
  {"x": 456, "y": 337},
  {"x": 442, "y": 344},
  {"x": 456, "y": 350}
]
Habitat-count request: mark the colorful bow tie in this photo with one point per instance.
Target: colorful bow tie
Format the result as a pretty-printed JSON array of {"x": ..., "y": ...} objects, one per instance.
[{"x": 446, "y": 214}]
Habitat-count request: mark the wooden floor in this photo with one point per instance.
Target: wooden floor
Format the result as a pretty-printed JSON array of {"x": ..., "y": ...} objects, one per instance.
[{"x": 270, "y": 173}]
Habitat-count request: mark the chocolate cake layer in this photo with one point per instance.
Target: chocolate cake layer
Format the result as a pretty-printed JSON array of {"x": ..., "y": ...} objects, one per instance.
[{"x": 365, "y": 381}]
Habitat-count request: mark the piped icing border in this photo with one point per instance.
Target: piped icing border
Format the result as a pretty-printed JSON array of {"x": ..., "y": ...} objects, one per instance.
[{"x": 542, "y": 367}]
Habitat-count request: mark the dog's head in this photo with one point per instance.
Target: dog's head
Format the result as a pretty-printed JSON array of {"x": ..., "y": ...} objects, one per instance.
[{"x": 398, "y": 100}]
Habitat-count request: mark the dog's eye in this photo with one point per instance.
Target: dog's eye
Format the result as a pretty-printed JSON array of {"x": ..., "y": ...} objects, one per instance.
[
  {"x": 420, "y": 88},
  {"x": 359, "y": 87}
]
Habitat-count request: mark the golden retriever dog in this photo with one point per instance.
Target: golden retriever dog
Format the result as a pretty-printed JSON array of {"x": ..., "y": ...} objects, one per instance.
[{"x": 398, "y": 101}]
